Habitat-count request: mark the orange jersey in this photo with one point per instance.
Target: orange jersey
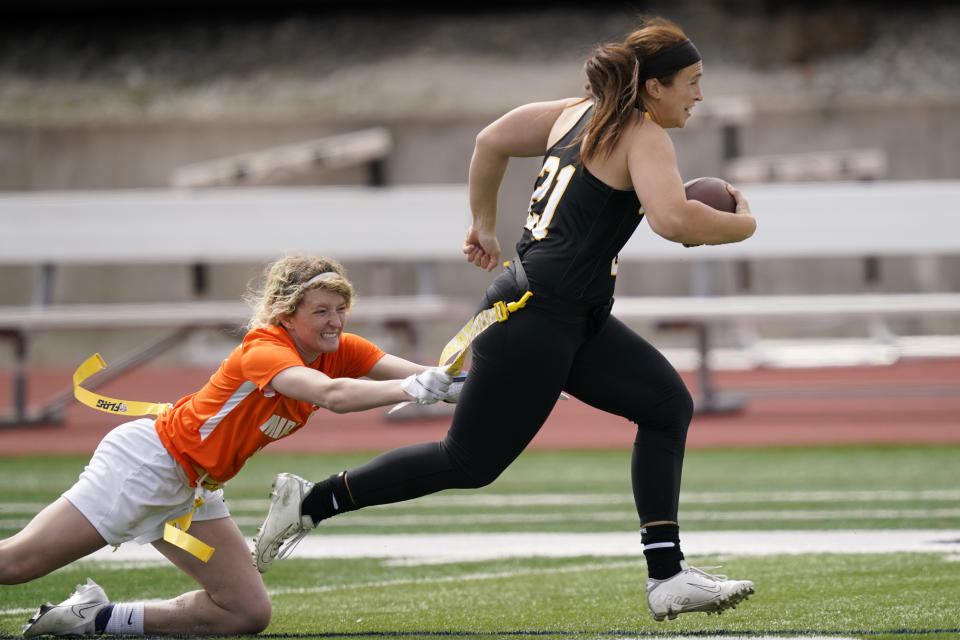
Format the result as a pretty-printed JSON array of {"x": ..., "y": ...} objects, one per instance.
[{"x": 217, "y": 428}]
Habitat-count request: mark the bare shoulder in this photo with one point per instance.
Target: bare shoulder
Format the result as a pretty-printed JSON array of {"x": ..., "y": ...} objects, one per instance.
[
  {"x": 572, "y": 109},
  {"x": 547, "y": 108},
  {"x": 643, "y": 129},
  {"x": 566, "y": 103},
  {"x": 525, "y": 130},
  {"x": 644, "y": 137}
]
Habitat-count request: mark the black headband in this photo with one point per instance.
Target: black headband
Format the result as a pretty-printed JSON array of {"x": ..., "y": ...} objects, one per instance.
[{"x": 669, "y": 60}]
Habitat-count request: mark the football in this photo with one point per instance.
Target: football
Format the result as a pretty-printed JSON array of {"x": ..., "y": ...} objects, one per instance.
[{"x": 712, "y": 192}]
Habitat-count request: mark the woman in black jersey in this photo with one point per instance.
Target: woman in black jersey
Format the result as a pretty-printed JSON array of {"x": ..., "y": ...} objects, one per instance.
[{"x": 608, "y": 163}]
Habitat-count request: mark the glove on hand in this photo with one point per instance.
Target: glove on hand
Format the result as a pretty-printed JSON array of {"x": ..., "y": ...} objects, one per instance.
[
  {"x": 427, "y": 387},
  {"x": 453, "y": 393}
]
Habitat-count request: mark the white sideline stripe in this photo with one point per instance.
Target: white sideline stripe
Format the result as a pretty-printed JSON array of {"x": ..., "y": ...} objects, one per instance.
[
  {"x": 686, "y": 498},
  {"x": 574, "y": 499},
  {"x": 465, "y": 520},
  {"x": 385, "y": 519},
  {"x": 691, "y": 497},
  {"x": 460, "y": 577},
  {"x": 470, "y": 547},
  {"x": 444, "y": 548}
]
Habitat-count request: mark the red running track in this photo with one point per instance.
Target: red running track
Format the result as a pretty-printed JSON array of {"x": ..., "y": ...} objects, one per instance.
[{"x": 912, "y": 401}]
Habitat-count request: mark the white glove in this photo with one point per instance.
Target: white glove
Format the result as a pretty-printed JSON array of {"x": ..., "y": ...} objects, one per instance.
[
  {"x": 427, "y": 387},
  {"x": 453, "y": 393}
]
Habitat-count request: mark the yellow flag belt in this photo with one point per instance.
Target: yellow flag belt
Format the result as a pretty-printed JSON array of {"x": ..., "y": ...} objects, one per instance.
[
  {"x": 175, "y": 531},
  {"x": 453, "y": 355},
  {"x": 96, "y": 401}
]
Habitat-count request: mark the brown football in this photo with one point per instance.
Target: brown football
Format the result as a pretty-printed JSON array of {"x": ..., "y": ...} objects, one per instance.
[{"x": 712, "y": 192}]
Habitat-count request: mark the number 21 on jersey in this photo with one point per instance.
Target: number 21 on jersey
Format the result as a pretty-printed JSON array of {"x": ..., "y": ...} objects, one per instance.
[{"x": 554, "y": 183}]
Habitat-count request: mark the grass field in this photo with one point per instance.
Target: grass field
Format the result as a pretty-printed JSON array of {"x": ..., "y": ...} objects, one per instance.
[{"x": 591, "y": 596}]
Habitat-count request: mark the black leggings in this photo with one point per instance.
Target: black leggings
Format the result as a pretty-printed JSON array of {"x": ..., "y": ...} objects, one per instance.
[{"x": 517, "y": 372}]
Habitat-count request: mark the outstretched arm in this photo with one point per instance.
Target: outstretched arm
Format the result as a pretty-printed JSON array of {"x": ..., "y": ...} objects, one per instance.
[
  {"x": 343, "y": 395},
  {"x": 391, "y": 367}
]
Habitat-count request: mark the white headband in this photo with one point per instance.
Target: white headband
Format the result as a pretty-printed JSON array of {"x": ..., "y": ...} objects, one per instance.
[{"x": 321, "y": 276}]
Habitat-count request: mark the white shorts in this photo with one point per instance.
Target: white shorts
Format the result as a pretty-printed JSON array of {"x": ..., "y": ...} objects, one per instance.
[{"x": 132, "y": 486}]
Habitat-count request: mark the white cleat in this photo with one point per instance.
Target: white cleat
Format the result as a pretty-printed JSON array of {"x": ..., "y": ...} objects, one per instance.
[
  {"x": 694, "y": 590},
  {"x": 75, "y": 616},
  {"x": 283, "y": 521}
]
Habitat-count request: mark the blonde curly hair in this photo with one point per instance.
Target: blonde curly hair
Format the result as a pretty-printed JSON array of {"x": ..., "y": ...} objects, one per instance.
[{"x": 287, "y": 280}]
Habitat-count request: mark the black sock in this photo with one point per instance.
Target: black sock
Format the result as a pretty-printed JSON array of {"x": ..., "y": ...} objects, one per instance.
[
  {"x": 103, "y": 617},
  {"x": 661, "y": 546},
  {"x": 328, "y": 498}
]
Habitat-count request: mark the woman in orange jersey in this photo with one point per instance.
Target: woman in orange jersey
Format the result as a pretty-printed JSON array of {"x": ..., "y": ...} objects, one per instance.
[{"x": 146, "y": 474}]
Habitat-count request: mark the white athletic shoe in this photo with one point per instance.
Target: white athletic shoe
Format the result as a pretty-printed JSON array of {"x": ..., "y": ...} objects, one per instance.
[
  {"x": 75, "y": 616},
  {"x": 694, "y": 590},
  {"x": 283, "y": 521}
]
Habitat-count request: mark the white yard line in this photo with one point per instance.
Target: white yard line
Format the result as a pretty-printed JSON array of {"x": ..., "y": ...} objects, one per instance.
[
  {"x": 462, "y": 576},
  {"x": 466, "y": 520},
  {"x": 468, "y": 547},
  {"x": 456, "y": 499},
  {"x": 443, "y": 548},
  {"x": 575, "y": 499},
  {"x": 623, "y": 498},
  {"x": 689, "y": 497},
  {"x": 469, "y": 520}
]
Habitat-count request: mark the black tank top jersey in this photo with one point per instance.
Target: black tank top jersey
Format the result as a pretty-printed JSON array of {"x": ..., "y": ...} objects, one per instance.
[{"x": 576, "y": 226}]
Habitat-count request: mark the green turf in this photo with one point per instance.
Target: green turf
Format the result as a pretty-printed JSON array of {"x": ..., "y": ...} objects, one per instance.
[
  {"x": 868, "y": 596},
  {"x": 803, "y": 488},
  {"x": 589, "y": 597}
]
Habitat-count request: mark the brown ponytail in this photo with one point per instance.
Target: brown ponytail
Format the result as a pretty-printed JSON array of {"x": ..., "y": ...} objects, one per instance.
[{"x": 613, "y": 82}]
